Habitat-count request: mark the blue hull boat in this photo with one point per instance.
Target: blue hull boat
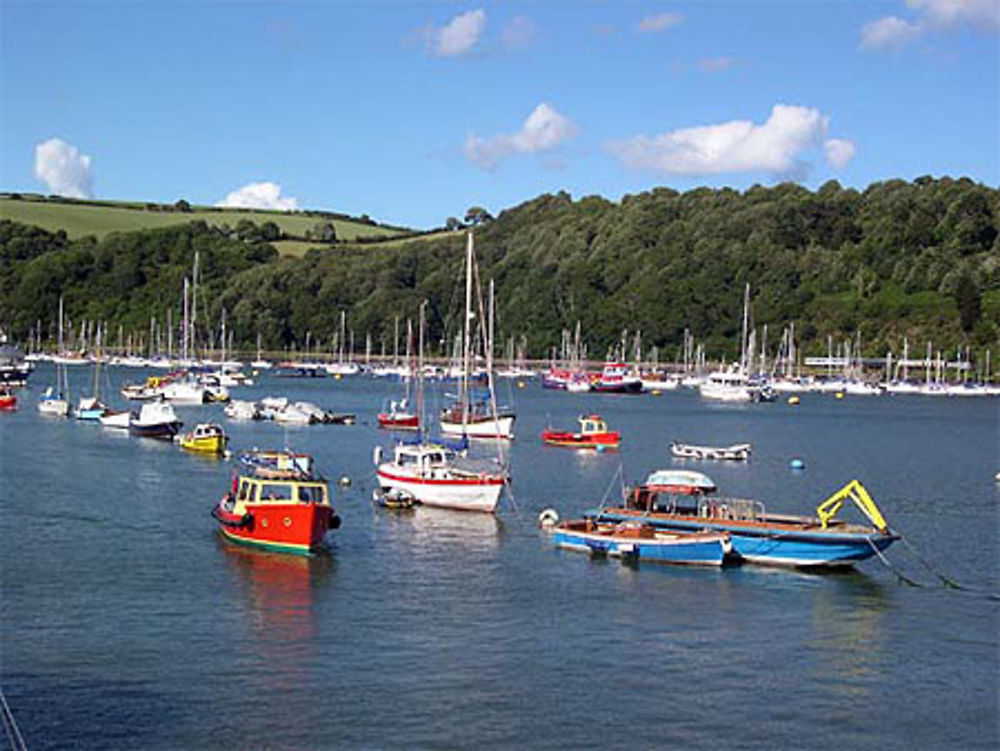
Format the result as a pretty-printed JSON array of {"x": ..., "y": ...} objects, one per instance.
[
  {"x": 633, "y": 541},
  {"x": 758, "y": 536}
]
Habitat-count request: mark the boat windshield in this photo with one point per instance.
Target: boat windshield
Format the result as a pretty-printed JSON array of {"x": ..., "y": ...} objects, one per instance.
[
  {"x": 276, "y": 491},
  {"x": 312, "y": 494}
]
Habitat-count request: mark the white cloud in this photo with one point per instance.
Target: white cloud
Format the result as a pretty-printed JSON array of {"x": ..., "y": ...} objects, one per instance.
[
  {"x": 518, "y": 34},
  {"x": 63, "y": 169},
  {"x": 543, "y": 130},
  {"x": 982, "y": 14},
  {"x": 659, "y": 22},
  {"x": 715, "y": 64},
  {"x": 459, "y": 36},
  {"x": 931, "y": 16},
  {"x": 888, "y": 33},
  {"x": 838, "y": 152},
  {"x": 735, "y": 146},
  {"x": 264, "y": 195}
]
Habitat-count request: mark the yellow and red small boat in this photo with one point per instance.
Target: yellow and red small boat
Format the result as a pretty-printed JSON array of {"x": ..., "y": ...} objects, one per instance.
[
  {"x": 593, "y": 434},
  {"x": 206, "y": 438},
  {"x": 279, "y": 503}
]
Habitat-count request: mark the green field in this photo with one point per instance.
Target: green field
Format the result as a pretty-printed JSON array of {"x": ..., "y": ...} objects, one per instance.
[{"x": 79, "y": 220}]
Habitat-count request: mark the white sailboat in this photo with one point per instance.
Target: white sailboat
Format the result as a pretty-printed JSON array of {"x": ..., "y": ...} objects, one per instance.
[
  {"x": 731, "y": 384},
  {"x": 436, "y": 475},
  {"x": 482, "y": 418},
  {"x": 55, "y": 400}
]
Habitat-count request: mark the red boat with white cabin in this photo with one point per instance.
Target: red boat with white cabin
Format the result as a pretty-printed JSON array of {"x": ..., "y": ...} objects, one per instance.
[{"x": 593, "y": 434}]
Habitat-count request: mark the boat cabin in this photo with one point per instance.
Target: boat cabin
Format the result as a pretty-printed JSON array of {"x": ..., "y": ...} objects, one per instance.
[
  {"x": 423, "y": 456},
  {"x": 253, "y": 489},
  {"x": 591, "y": 424}
]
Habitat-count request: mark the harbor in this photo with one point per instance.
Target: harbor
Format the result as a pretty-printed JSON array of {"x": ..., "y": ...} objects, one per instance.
[{"x": 117, "y": 568}]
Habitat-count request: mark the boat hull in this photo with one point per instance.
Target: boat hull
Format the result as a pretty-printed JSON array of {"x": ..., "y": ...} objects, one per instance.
[
  {"x": 773, "y": 544},
  {"x": 399, "y": 422},
  {"x": 697, "y": 549},
  {"x": 608, "y": 440},
  {"x": 472, "y": 494},
  {"x": 205, "y": 445},
  {"x": 165, "y": 430},
  {"x": 501, "y": 427},
  {"x": 289, "y": 528}
]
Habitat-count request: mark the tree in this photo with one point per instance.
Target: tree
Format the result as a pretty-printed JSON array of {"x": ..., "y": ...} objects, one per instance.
[
  {"x": 477, "y": 215},
  {"x": 969, "y": 301},
  {"x": 324, "y": 232},
  {"x": 269, "y": 232},
  {"x": 182, "y": 205},
  {"x": 451, "y": 224}
]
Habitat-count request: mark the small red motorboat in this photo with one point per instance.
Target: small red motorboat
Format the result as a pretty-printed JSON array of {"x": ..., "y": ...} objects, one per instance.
[
  {"x": 593, "y": 434},
  {"x": 277, "y": 503},
  {"x": 399, "y": 417},
  {"x": 7, "y": 399}
]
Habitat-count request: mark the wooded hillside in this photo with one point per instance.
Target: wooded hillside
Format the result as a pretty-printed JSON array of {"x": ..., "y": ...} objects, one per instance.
[{"x": 918, "y": 259}]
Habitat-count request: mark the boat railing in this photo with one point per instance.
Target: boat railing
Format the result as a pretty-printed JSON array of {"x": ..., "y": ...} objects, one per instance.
[{"x": 732, "y": 509}]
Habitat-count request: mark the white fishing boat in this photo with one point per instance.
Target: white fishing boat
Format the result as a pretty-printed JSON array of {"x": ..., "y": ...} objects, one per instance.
[
  {"x": 155, "y": 420},
  {"x": 727, "y": 386},
  {"x": 736, "y": 452}
]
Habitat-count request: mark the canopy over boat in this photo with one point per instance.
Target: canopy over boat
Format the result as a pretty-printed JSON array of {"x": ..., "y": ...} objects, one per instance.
[{"x": 682, "y": 481}]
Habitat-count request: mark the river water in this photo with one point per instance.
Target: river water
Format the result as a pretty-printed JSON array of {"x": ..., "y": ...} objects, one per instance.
[{"x": 126, "y": 622}]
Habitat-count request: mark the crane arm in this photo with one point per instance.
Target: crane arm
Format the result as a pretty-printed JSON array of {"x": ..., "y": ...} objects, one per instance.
[{"x": 857, "y": 493}]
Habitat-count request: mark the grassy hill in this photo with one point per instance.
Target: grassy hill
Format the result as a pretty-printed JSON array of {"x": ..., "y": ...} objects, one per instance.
[{"x": 100, "y": 218}]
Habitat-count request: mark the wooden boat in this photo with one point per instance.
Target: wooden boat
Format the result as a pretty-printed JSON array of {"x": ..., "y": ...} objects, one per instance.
[
  {"x": 155, "y": 420},
  {"x": 206, "y": 438},
  {"x": 593, "y": 434},
  {"x": 637, "y": 541},
  {"x": 8, "y": 400},
  {"x": 759, "y": 536},
  {"x": 738, "y": 452},
  {"x": 277, "y": 502}
]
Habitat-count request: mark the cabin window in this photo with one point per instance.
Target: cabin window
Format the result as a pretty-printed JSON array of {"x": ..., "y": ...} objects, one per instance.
[
  {"x": 407, "y": 460},
  {"x": 244, "y": 490},
  {"x": 310, "y": 494},
  {"x": 273, "y": 491}
]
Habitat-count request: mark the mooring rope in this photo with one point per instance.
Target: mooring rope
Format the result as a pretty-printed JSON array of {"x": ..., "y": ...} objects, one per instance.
[
  {"x": 945, "y": 581},
  {"x": 902, "y": 577},
  {"x": 10, "y": 726}
]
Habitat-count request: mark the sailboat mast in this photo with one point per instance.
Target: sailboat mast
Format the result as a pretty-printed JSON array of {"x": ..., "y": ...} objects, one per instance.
[
  {"x": 746, "y": 321},
  {"x": 467, "y": 339},
  {"x": 420, "y": 371}
]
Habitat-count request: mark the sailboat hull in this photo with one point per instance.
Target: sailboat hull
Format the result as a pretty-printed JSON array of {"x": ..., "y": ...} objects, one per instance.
[
  {"x": 466, "y": 494},
  {"x": 486, "y": 427}
]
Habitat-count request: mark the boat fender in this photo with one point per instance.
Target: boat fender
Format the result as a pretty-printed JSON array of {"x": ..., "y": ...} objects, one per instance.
[
  {"x": 548, "y": 518},
  {"x": 377, "y": 455},
  {"x": 334, "y": 521}
]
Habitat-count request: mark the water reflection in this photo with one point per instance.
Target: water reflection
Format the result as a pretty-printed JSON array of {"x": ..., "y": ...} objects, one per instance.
[{"x": 426, "y": 527}]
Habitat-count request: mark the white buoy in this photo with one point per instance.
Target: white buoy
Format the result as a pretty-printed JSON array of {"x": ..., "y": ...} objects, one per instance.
[
  {"x": 345, "y": 481},
  {"x": 548, "y": 518},
  {"x": 797, "y": 464}
]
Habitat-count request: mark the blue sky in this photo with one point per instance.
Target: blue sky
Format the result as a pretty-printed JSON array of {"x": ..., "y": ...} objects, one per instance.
[{"x": 414, "y": 111}]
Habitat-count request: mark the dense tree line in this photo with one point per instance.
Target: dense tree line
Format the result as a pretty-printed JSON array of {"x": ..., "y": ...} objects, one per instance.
[{"x": 919, "y": 259}]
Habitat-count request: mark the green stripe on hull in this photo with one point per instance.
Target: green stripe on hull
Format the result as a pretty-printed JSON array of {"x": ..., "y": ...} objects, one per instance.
[{"x": 277, "y": 547}]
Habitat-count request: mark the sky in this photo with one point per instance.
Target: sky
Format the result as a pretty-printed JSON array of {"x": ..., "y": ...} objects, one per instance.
[{"x": 411, "y": 112}]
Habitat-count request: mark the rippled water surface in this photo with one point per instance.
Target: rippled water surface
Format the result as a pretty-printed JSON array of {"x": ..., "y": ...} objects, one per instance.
[{"x": 127, "y": 623}]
